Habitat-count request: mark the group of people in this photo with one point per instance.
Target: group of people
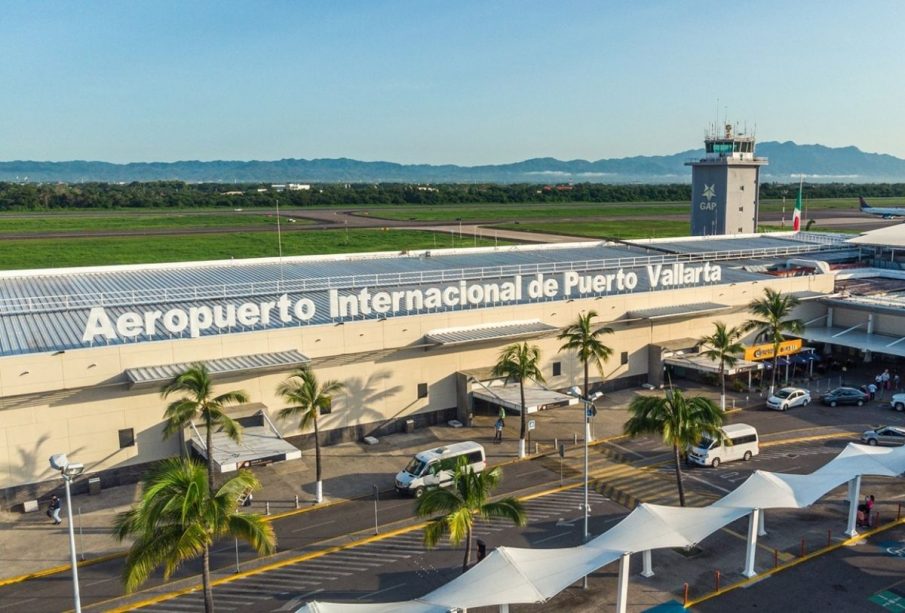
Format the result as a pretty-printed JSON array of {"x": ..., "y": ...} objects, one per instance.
[{"x": 882, "y": 383}]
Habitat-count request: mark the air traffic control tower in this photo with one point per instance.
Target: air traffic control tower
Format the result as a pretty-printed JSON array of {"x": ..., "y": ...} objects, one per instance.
[{"x": 725, "y": 185}]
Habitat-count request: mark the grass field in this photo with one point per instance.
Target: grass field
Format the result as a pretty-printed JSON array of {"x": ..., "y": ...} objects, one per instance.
[
  {"x": 127, "y": 220},
  {"x": 58, "y": 253}
]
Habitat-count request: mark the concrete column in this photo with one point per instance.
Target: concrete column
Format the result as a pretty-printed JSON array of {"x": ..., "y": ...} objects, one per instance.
[
  {"x": 753, "y": 522},
  {"x": 854, "y": 493},
  {"x": 761, "y": 528},
  {"x": 870, "y": 330},
  {"x": 829, "y": 317},
  {"x": 504, "y": 608},
  {"x": 648, "y": 570},
  {"x": 622, "y": 585}
]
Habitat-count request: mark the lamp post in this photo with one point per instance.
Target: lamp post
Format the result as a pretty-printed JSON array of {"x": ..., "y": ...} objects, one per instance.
[
  {"x": 69, "y": 471},
  {"x": 589, "y": 411}
]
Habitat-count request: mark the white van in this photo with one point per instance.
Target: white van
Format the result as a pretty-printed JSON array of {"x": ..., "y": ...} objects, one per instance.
[
  {"x": 740, "y": 443},
  {"x": 436, "y": 467}
]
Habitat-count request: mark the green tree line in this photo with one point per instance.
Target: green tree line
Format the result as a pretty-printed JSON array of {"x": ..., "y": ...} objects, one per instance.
[{"x": 178, "y": 194}]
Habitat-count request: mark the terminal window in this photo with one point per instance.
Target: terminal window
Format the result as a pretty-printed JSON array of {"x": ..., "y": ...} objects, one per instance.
[
  {"x": 623, "y": 359},
  {"x": 422, "y": 390},
  {"x": 557, "y": 369},
  {"x": 126, "y": 438}
]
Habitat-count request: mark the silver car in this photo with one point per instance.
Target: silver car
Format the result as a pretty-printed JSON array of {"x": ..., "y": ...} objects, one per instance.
[
  {"x": 789, "y": 397},
  {"x": 885, "y": 435}
]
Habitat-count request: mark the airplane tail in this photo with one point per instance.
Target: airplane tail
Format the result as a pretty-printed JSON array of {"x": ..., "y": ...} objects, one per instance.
[{"x": 862, "y": 203}]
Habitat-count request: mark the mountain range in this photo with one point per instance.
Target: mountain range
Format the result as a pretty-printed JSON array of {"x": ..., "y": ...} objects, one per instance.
[{"x": 787, "y": 161}]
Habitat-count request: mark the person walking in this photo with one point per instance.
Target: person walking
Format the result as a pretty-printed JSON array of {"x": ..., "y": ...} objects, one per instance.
[
  {"x": 503, "y": 416},
  {"x": 896, "y": 381},
  {"x": 871, "y": 390},
  {"x": 54, "y": 510},
  {"x": 498, "y": 435}
]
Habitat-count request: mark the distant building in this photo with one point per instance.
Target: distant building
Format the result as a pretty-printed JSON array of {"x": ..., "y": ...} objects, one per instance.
[
  {"x": 724, "y": 186},
  {"x": 298, "y": 187}
]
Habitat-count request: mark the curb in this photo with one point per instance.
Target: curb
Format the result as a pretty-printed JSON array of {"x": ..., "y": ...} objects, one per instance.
[
  {"x": 62, "y": 568},
  {"x": 799, "y": 560},
  {"x": 805, "y": 439}
]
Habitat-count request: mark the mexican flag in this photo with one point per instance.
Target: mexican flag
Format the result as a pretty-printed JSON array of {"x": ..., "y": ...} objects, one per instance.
[{"x": 796, "y": 216}]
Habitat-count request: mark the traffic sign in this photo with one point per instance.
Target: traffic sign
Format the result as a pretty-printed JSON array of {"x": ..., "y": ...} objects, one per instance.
[
  {"x": 591, "y": 410},
  {"x": 530, "y": 425}
]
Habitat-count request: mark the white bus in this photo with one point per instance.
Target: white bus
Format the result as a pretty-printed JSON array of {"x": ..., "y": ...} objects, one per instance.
[
  {"x": 436, "y": 467},
  {"x": 739, "y": 443}
]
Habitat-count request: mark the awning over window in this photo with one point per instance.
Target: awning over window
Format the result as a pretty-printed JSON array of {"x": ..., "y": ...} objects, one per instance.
[
  {"x": 489, "y": 332},
  {"x": 536, "y": 398},
  {"x": 858, "y": 338},
  {"x": 260, "y": 362},
  {"x": 261, "y": 443},
  {"x": 702, "y": 363},
  {"x": 677, "y": 310}
]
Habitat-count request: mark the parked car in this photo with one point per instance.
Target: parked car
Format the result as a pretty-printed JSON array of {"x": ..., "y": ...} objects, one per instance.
[
  {"x": 844, "y": 395},
  {"x": 884, "y": 435},
  {"x": 898, "y": 402},
  {"x": 789, "y": 397}
]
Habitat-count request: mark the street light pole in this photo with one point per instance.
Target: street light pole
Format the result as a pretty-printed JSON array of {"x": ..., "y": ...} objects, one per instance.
[
  {"x": 75, "y": 566},
  {"x": 376, "y": 497},
  {"x": 68, "y": 471},
  {"x": 587, "y": 435}
]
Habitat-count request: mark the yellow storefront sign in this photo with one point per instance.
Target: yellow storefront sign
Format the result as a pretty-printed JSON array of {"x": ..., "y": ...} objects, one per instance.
[{"x": 765, "y": 351}]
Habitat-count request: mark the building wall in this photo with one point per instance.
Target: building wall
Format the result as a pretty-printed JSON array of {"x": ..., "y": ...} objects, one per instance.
[
  {"x": 735, "y": 200},
  {"x": 77, "y": 401}
]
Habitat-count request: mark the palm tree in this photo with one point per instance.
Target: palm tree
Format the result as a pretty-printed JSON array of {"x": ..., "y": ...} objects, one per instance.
[
  {"x": 177, "y": 518},
  {"x": 199, "y": 401},
  {"x": 519, "y": 362},
  {"x": 308, "y": 398},
  {"x": 772, "y": 312},
  {"x": 724, "y": 347},
  {"x": 467, "y": 498},
  {"x": 583, "y": 339},
  {"x": 679, "y": 420}
]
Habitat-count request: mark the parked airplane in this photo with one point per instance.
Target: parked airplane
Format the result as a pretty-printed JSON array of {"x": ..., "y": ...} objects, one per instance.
[{"x": 882, "y": 211}]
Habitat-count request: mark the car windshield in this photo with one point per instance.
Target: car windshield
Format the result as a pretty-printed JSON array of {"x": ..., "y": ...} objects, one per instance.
[
  {"x": 415, "y": 467},
  {"x": 783, "y": 393},
  {"x": 706, "y": 443}
]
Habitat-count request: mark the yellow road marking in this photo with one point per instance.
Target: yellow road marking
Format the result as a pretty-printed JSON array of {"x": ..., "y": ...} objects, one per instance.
[{"x": 795, "y": 562}]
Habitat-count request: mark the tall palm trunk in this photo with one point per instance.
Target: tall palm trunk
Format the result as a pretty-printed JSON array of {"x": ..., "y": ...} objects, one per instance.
[
  {"x": 524, "y": 430},
  {"x": 209, "y": 437},
  {"x": 586, "y": 379},
  {"x": 723, "y": 382},
  {"x": 319, "y": 496},
  {"x": 467, "y": 560},
  {"x": 675, "y": 450},
  {"x": 206, "y": 580},
  {"x": 775, "y": 366}
]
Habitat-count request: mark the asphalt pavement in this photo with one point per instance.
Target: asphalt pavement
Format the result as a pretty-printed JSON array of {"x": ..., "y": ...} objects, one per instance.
[{"x": 623, "y": 473}]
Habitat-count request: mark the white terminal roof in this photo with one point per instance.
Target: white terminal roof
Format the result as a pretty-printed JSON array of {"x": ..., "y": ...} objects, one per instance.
[
  {"x": 890, "y": 236},
  {"x": 48, "y": 310}
]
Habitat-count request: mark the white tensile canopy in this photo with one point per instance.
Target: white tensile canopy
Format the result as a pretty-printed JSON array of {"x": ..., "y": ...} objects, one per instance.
[{"x": 512, "y": 575}]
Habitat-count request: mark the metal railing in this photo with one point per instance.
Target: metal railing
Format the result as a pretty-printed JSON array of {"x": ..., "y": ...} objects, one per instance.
[{"x": 64, "y": 302}]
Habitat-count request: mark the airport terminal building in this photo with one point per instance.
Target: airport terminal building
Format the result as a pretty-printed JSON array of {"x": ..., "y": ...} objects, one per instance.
[{"x": 412, "y": 336}]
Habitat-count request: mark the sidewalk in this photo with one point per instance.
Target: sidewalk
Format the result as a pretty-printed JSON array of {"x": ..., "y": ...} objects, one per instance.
[{"x": 29, "y": 543}]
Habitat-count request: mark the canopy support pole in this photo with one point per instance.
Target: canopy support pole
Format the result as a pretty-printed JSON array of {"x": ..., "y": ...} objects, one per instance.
[
  {"x": 761, "y": 528},
  {"x": 753, "y": 522},
  {"x": 854, "y": 493},
  {"x": 648, "y": 570},
  {"x": 622, "y": 587}
]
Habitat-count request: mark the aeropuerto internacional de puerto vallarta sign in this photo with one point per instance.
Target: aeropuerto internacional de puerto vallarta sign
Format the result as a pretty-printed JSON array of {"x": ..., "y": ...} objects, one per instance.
[{"x": 364, "y": 302}]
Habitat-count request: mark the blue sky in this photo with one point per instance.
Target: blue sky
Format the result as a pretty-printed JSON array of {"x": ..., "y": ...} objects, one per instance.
[{"x": 466, "y": 82}]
